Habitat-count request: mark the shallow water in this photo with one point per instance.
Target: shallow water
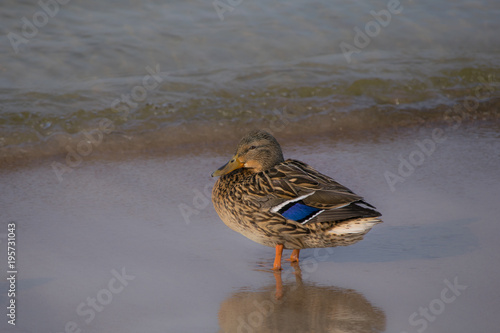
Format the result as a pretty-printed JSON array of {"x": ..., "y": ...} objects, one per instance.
[
  {"x": 153, "y": 67},
  {"x": 437, "y": 248}
]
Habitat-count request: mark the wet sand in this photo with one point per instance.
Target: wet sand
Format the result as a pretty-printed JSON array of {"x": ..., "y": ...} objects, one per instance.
[{"x": 135, "y": 245}]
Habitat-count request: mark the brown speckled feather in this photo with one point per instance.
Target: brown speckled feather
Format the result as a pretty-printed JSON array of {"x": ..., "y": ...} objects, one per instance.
[{"x": 247, "y": 202}]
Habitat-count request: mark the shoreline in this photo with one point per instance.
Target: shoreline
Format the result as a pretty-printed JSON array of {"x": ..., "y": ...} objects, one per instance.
[
  {"x": 124, "y": 216},
  {"x": 110, "y": 145}
]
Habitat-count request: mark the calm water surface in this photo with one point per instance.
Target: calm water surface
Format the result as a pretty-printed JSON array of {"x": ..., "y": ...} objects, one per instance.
[{"x": 151, "y": 66}]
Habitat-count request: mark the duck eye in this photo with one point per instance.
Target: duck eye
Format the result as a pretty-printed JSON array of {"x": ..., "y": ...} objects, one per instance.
[{"x": 252, "y": 147}]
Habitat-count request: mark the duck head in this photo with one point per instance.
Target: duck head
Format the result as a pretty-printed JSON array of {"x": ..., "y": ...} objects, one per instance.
[{"x": 256, "y": 151}]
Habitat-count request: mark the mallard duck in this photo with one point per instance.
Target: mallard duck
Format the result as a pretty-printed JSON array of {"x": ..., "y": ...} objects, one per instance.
[{"x": 286, "y": 204}]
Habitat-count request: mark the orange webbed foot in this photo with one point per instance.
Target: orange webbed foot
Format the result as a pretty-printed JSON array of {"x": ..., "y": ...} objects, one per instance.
[{"x": 295, "y": 256}]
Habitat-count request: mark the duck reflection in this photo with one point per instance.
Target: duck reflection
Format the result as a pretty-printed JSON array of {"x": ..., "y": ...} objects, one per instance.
[{"x": 300, "y": 307}]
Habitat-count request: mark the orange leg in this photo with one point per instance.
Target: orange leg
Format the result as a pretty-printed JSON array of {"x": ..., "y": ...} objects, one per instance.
[
  {"x": 295, "y": 256},
  {"x": 277, "y": 258}
]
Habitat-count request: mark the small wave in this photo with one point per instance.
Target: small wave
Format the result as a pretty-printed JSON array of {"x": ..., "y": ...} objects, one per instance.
[{"x": 197, "y": 108}]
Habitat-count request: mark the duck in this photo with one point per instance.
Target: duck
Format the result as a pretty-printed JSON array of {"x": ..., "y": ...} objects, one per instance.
[{"x": 286, "y": 204}]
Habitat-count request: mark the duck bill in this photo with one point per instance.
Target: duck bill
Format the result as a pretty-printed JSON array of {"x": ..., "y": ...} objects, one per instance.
[{"x": 233, "y": 164}]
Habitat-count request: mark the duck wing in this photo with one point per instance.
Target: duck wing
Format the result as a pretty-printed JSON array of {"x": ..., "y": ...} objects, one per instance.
[{"x": 300, "y": 193}]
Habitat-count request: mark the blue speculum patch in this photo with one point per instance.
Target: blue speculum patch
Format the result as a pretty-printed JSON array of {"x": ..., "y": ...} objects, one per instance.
[{"x": 298, "y": 211}]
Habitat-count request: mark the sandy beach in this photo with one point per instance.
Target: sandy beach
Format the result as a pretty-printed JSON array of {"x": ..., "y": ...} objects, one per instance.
[{"x": 134, "y": 244}]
